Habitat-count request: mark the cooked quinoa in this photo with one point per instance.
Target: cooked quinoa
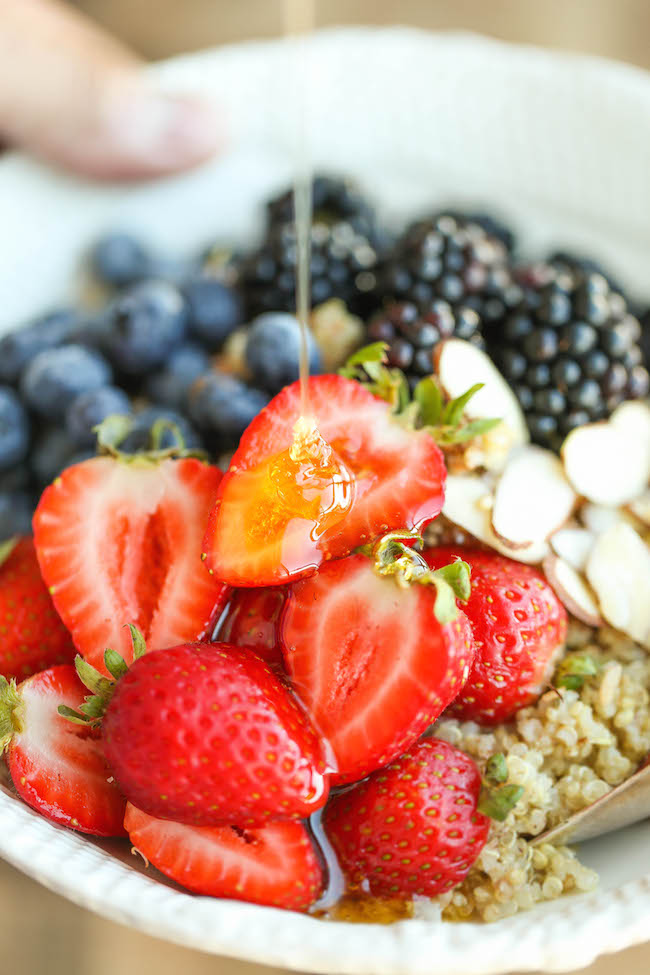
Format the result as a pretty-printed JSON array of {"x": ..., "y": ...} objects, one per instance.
[{"x": 566, "y": 751}]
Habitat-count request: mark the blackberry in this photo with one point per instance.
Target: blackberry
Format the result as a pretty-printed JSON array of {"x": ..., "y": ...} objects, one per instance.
[
  {"x": 346, "y": 246},
  {"x": 412, "y": 332},
  {"x": 461, "y": 260},
  {"x": 570, "y": 349}
]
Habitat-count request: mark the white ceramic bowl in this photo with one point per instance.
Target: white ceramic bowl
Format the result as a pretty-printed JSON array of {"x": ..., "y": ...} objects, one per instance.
[{"x": 560, "y": 145}]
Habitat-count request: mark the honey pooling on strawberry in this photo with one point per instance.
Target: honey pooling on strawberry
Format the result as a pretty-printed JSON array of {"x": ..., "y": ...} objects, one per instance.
[{"x": 302, "y": 492}]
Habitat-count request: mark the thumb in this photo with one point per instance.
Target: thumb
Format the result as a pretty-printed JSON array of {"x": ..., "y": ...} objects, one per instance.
[{"x": 73, "y": 95}]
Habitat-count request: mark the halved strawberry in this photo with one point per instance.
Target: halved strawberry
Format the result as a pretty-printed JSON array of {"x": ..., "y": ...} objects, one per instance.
[
  {"x": 252, "y": 620},
  {"x": 57, "y": 767},
  {"x": 274, "y": 865},
  {"x": 279, "y": 517},
  {"x": 370, "y": 661},
  {"x": 120, "y": 541}
]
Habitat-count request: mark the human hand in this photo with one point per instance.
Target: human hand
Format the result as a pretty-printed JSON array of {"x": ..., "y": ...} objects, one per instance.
[{"x": 75, "y": 96}]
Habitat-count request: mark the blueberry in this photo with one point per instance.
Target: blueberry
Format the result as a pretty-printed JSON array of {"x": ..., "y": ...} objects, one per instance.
[
  {"x": 14, "y": 429},
  {"x": 144, "y": 325},
  {"x": 215, "y": 310},
  {"x": 119, "y": 259},
  {"x": 185, "y": 364},
  {"x": 89, "y": 409},
  {"x": 16, "y": 508},
  {"x": 19, "y": 347},
  {"x": 223, "y": 405},
  {"x": 139, "y": 439},
  {"x": 57, "y": 376},
  {"x": 273, "y": 351},
  {"x": 51, "y": 453},
  {"x": 16, "y": 478}
]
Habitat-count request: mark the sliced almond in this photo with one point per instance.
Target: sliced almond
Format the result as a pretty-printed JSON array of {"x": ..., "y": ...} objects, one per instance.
[
  {"x": 618, "y": 569},
  {"x": 458, "y": 366},
  {"x": 572, "y": 590},
  {"x": 468, "y": 504},
  {"x": 609, "y": 462},
  {"x": 640, "y": 507},
  {"x": 573, "y": 544},
  {"x": 532, "y": 499},
  {"x": 598, "y": 518}
]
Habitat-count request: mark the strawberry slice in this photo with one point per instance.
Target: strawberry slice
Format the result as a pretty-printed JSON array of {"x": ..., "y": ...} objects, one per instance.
[
  {"x": 370, "y": 661},
  {"x": 120, "y": 542},
  {"x": 353, "y": 472},
  {"x": 252, "y": 621},
  {"x": 275, "y": 865},
  {"x": 57, "y": 767}
]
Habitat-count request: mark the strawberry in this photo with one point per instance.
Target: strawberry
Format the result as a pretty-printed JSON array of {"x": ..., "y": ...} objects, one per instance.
[
  {"x": 371, "y": 660},
  {"x": 353, "y": 471},
  {"x": 120, "y": 540},
  {"x": 32, "y": 634},
  {"x": 519, "y": 627},
  {"x": 411, "y": 828},
  {"x": 205, "y": 734},
  {"x": 274, "y": 865},
  {"x": 252, "y": 620},
  {"x": 58, "y": 768}
]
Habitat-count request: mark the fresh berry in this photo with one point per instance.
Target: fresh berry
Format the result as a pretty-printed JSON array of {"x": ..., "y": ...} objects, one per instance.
[
  {"x": 90, "y": 409},
  {"x": 454, "y": 259},
  {"x": 205, "y": 734},
  {"x": 119, "y": 541},
  {"x": 16, "y": 508},
  {"x": 412, "y": 334},
  {"x": 57, "y": 767},
  {"x": 119, "y": 259},
  {"x": 55, "y": 377},
  {"x": 215, "y": 310},
  {"x": 370, "y": 661},
  {"x": 570, "y": 350},
  {"x": 33, "y": 636},
  {"x": 51, "y": 453},
  {"x": 645, "y": 339},
  {"x": 222, "y": 406},
  {"x": 16, "y": 478},
  {"x": 377, "y": 476},
  {"x": 332, "y": 199},
  {"x": 139, "y": 437},
  {"x": 411, "y": 828},
  {"x": 273, "y": 351},
  {"x": 274, "y": 865},
  {"x": 519, "y": 627},
  {"x": 252, "y": 620},
  {"x": 18, "y": 348},
  {"x": 144, "y": 324},
  {"x": 170, "y": 386},
  {"x": 14, "y": 429},
  {"x": 343, "y": 264}
]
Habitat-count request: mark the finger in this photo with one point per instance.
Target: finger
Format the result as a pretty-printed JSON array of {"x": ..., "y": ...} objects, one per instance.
[{"x": 75, "y": 96}]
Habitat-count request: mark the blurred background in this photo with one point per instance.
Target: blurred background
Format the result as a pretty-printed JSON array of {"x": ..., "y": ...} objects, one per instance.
[{"x": 41, "y": 933}]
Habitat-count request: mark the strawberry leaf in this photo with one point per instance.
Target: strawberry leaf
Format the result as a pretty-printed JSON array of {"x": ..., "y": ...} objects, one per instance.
[{"x": 428, "y": 396}]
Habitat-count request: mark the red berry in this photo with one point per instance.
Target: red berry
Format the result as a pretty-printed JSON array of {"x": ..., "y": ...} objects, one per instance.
[
  {"x": 206, "y": 734},
  {"x": 276, "y": 520},
  {"x": 413, "y": 827},
  {"x": 370, "y": 661},
  {"x": 252, "y": 621},
  {"x": 120, "y": 542},
  {"x": 274, "y": 865},
  {"x": 56, "y": 766},
  {"x": 32, "y": 636},
  {"x": 519, "y": 627}
]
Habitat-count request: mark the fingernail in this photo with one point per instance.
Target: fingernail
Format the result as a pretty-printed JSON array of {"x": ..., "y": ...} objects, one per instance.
[{"x": 163, "y": 130}]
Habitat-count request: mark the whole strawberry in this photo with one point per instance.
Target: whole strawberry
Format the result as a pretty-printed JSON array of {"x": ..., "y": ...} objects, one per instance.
[
  {"x": 32, "y": 636},
  {"x": 519, "y": 627},
  {"x": 205, "y": 734},
  {"x": 412, "y": 827}
]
